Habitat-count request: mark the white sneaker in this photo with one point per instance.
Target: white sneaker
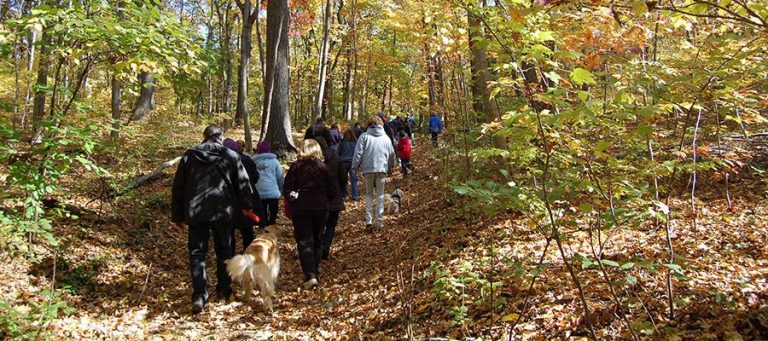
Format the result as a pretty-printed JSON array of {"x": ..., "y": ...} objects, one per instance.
[{"x": 310, "y": 284}]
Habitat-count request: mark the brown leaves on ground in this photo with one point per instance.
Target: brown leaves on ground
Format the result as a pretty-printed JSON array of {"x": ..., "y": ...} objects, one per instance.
[{"x": 128, "y": 276}]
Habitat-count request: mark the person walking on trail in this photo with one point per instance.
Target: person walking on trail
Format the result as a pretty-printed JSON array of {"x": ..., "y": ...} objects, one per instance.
[
  {"x": 346, "y": 153},
  {"x": 270, "y": 182},
  {"x": 435, "y": 127},
  {"x": 386, "y": 126},
  {"x": 335, "y": 137},
  {"x": 332, "y": 160},
  {"x": 309, "y": 188},
  {"x": 374, "y": 157},
  {"x": 410, "y": 126},
  {"x": 404, "y": 151},
  {"x": 358, "y": 130},
  {"x": 318, "y": 129},
  {"x": 244, "y": 224},
  {"x": 211, "y": 189}
]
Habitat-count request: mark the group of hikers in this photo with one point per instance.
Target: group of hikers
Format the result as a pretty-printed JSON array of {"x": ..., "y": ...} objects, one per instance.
[{"x": 218, "y": 189}]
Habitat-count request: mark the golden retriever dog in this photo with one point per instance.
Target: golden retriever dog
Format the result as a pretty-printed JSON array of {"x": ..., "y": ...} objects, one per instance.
[{"x": 260, "y": 265}]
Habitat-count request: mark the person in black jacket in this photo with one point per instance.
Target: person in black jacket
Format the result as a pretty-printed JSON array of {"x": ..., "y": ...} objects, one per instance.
[
  {"x": 309, "y": 188},
  {"x": 387, "y": 127},
  {"x": 210, "y": 190},
  {"x": 357, "y": 128},
  {"x": 318, "y": 130},
  {"x": 244, "y": 224},
  {"x": 332, "y": 160}
]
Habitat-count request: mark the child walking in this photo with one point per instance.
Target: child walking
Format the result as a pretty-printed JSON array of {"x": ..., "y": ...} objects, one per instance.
[{"x": 404, "y": 150}]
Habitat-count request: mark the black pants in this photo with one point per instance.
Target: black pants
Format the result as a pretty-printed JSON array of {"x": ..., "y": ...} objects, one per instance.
[
  {"x": 307, "y": 226},
  {"x": 246, "y": 232},
  {"x": 434, "y": 138},
  {"x": 198, "y": 248},
  {"x": 271, "y": 207},
  {"x": 329, "y": 232},
  {"x": 405, "y": 165}
]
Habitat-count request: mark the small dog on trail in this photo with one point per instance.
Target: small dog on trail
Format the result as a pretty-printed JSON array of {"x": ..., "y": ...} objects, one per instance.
[
  {"x": 260, "y": 265},
  {"x": 392, "y": 202}
]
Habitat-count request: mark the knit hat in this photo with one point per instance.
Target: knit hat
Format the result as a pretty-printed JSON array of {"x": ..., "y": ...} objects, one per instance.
[
  {"x": 263, "y": 147},
  {"x": 230, "y": 143}
]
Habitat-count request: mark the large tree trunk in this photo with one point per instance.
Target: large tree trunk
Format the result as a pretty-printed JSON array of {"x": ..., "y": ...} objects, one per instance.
[
  {"x": 146, "y": 101},
  {"x": 242, "y": 70},
  {"x": 323, "y": 67},
  {"x": 277, "y": 84},
  {"x": 481, "y": 94}
]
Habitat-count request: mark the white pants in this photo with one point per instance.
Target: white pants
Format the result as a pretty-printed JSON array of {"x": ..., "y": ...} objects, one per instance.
[{"x": 374, "y": 182}]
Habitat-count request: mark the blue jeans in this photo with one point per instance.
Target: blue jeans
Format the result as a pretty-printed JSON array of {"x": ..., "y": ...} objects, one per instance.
[
  {"x": 224, "y": 244},
  {"x": 352, "y": 179}
]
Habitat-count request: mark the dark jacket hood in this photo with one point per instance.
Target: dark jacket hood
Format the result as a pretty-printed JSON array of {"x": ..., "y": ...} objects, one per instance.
[{"x": 209, "y": 151}]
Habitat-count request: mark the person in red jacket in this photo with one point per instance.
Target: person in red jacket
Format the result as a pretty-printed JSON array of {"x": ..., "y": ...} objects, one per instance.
[{"x": 404, "y": 150}]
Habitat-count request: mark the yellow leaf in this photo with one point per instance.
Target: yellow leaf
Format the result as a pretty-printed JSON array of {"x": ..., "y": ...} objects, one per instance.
[
  {"x": 510, "y": 317},
  {"x": 422, "y": 308}
]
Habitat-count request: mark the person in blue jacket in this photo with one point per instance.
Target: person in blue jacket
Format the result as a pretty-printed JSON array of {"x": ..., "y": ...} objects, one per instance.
[
  {"x": 435, "y": 127},
  {"x": 270, "y": 183}
]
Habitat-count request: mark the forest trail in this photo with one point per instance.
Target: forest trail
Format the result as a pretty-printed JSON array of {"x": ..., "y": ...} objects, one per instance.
[{"x": 358, "y": 292}]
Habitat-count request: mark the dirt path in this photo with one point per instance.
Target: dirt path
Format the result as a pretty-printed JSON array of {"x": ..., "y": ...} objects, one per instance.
[{"x": 141, "y": 287}]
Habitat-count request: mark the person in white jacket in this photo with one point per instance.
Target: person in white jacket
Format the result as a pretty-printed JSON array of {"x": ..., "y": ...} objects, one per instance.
[{"x": 374, "y": 158}]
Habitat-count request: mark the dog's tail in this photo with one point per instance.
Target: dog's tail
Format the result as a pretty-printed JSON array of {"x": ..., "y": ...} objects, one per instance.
[{"x": 240, "y": 266}]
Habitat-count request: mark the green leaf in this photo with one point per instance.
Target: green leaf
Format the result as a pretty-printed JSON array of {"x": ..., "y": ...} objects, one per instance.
[
  {"x": 609, "y": 262},
  {"x": 585, "y": 207},
  {"x": 627, "y": 265},
  {"x": 581, "y": 76}
]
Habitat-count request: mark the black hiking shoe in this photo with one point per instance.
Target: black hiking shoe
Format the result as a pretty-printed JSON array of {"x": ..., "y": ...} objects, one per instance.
[
  {"x": 224, "y": 297},
  {"x": 197, "y": 304}
]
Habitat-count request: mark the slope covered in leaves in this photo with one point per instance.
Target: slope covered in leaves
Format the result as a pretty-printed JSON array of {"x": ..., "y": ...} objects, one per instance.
[{"x": 435, "y": 270}]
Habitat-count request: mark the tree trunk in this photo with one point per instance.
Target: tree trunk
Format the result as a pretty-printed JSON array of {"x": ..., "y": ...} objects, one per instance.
[
  {"x": 146, "y": 101},
  {"x": 434, "y": 77},
  {"x": 323, "y": 66},
  {"x": 260, "y": 43},
  {"x": 481, "y": 94},
  {"x": 249, "y": 18},
  {"x": 116, "y": 93},
  {"x": 277, "y": 86},
  {"x": 351, "y": 74},
  {"x": 38, "y": 111},
  {"x": 226, "y": 32}
]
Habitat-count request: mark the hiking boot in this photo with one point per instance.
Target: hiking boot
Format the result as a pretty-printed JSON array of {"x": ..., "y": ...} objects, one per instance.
[
  {"x": 309, "y": 284},
  {"x": 224, "y": 297},
  {"x": 197, "y": 304},
  {"x": 369, "y": 227}
]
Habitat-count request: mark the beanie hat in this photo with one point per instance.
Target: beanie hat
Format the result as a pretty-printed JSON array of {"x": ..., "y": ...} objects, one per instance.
[
  {"x": 230, "y": 143},
  {"x": 263, "y": 147}
]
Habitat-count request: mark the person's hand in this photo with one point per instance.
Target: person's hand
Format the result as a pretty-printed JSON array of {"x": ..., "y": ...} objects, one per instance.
[
  {"x": 251, "y": 215},
  {"x": 179, "y": 225}
]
